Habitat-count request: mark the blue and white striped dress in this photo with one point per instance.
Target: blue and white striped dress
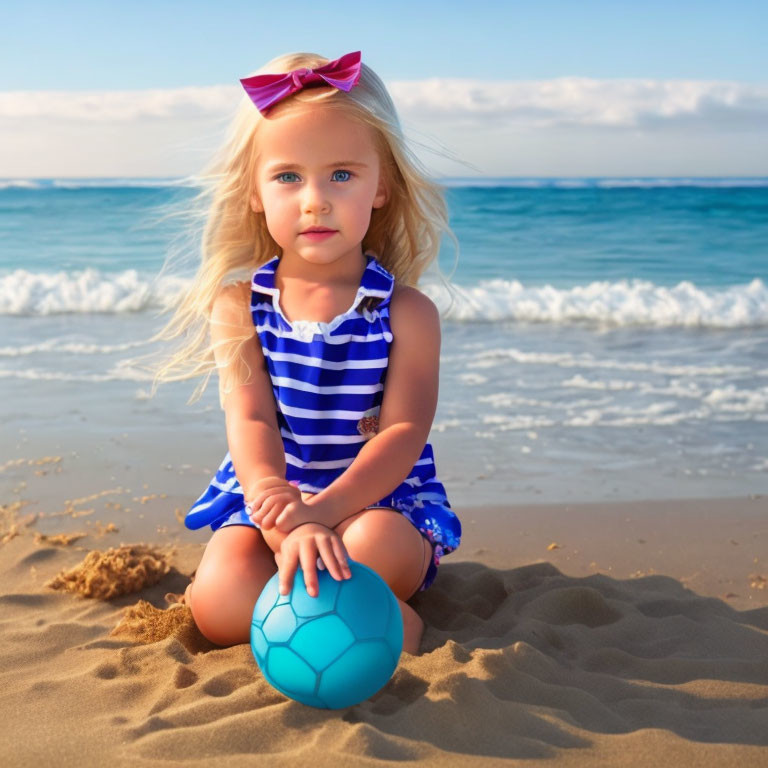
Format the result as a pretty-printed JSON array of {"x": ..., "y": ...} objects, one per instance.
[{"x": 328, "y": 382}]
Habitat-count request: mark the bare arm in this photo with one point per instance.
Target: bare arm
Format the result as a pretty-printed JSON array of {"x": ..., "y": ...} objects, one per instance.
[
  {"x": 407, "y": 410},
  {"x": 253, "y": 436}
]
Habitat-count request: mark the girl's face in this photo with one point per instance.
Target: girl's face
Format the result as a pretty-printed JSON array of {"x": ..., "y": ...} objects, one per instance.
[{"x": 317, "y": 168}]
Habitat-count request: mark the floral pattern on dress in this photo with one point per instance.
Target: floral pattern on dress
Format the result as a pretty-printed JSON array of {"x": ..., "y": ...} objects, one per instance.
[
  {"x": 437, "y": 521},
  {"x": 368, "y": 426}
]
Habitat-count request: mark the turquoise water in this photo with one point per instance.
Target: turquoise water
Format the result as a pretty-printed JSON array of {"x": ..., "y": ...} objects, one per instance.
[
  {"x": 713, "y": 235},
  {"x": 605, "y": 338}
]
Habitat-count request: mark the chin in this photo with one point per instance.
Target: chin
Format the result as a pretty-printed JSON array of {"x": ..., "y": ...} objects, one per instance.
[
  {"x": 320, "y": 258},
  {"x": 320, "y": 255}
]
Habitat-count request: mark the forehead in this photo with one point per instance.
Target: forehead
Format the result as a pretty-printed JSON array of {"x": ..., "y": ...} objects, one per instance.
[{"x": 309, "y": 135}]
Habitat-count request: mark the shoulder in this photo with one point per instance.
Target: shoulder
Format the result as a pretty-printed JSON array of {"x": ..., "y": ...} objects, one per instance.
[
  {"x": 232, "y": 305},
  {"x": 232, "y": 294},
  {"x": 410, "y": 308}
]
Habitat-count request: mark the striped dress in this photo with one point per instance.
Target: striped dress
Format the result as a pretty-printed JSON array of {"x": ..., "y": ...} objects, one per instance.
[{"x": 328, "y": 381}]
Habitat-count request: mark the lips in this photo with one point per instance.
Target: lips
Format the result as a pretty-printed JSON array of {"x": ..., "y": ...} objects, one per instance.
[{"x": 317, "y": 229}]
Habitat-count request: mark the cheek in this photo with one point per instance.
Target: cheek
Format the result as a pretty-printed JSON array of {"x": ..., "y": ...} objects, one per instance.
[
  {"x": 363, "y": 213},
  {"x": 356, "y": 203},
  {"x": 277, "y": 209}
]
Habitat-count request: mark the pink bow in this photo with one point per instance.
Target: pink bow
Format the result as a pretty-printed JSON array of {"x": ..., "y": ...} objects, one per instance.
[{"x": 265, "y": 90}]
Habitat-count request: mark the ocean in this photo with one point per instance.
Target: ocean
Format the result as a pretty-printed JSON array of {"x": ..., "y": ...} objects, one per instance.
[{"x": 606, "y": 339}]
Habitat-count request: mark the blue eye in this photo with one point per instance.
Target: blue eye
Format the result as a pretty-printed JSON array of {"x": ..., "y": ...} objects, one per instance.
[
  {"x": 287, "y": 173},
  {"x": 347, "y": 172}
]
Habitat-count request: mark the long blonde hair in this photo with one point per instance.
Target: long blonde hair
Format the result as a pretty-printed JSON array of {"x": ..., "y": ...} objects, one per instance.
[{"x": 404, "y": 234}]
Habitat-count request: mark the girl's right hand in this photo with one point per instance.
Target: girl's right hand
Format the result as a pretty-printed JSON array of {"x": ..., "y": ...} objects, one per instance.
[
  {"x": 270, "y": 497},
  {"x": 303, "y": 544}
]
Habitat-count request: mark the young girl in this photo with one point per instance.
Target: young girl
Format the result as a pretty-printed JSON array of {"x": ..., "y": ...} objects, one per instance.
[{"x": 327, "y": 355}]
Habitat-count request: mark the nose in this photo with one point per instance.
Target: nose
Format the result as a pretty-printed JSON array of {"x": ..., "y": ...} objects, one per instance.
[{"x": 315, "y": 197}]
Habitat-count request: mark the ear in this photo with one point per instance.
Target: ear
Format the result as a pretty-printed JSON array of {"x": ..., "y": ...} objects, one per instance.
[
  {"x": 256, "y": 205},
  {"x": 382, "y": 193}
]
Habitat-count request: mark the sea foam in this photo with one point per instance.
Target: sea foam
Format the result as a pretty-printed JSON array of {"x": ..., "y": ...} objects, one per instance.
[
  {"x": 602, "y": 303},
  {"x": 89, "y": 290},
  {"x": 620, "y": 303}
]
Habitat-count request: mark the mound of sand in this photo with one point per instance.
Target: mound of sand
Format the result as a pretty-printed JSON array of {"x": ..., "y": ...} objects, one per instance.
[{"x": 118, "y": 571}]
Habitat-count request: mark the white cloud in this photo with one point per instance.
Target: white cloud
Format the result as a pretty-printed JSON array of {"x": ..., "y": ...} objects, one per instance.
[
  {"x": 564, "y": 126},
  {"x": 565, "y": 101},
  {"x": 118, "y": 106},
  {"x": 579, "y": 101}
]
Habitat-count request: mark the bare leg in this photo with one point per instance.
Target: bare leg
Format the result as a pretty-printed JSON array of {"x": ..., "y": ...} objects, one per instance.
[
  {"x": 236, "y": 565},
  {"x": 403, "y": 563},
  {"x": 413, "y": 629}
]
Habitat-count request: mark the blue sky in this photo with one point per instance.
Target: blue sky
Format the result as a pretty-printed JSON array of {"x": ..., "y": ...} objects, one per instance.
[{"x": 139, "y": 46}]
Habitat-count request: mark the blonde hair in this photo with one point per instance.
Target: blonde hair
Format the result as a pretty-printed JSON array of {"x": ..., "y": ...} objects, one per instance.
[{"x": 404, "y": 234}]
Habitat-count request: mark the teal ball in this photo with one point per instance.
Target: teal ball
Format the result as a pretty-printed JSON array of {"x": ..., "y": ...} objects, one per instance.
[{"x": 330, "y": 651}]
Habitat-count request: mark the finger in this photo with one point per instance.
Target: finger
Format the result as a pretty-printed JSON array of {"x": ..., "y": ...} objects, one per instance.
[
  {"x": 284, "y": 514},
  {"x": 262, "y": 498},
  {"x": 258, "y": 515},
  {"x": 287, "y": 569},
  {"x": 287, "y": 495},
  {"x": 254, "y": 513},
  {"x": 269, "y": 511},
  {"x": 330, "y": 558},
  {"x": 256, "y": 507},
  {"x": 265, "y": 493},
  {"x": 308, "y": 555},
  {"x": 342, "y": 556}
]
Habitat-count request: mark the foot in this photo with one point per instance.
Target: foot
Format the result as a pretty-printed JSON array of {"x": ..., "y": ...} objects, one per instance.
[
  {"x": 174, "y": 599},
  {"x": 413, "y": 628}
]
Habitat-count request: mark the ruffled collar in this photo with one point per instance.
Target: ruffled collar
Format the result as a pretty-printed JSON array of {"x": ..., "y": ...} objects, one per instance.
[{"x": 376, "y": 281}]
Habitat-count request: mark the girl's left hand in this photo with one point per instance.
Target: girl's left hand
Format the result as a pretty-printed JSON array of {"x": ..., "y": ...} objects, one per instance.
[{"x": 310, "y": 546}]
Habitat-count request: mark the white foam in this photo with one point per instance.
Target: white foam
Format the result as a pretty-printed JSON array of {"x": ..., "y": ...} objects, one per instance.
[
  {"x": 500, "y": 356},
  {"x": 89, "y": 290},
  {"x": 731, "y": 399},
  {"x": 125, "y": 183},
  {"x": 579, "y": 382},
  {"x": 441, "y": 426},
  {"x": 121, "y": 371},
  {"x": 472, "y": 379},
  {"x": 97, "y": 183},
  {"x": 622, "y": 303},
  {"x": 20, "y": 184},
  {"x": 72, "y": 348},
  {"x": 724, "y": 403},
  {"x": 620, "y": 182},
  {"x": 676, "y": 387}
]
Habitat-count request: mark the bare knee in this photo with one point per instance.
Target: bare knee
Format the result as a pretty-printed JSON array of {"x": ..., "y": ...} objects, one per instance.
[
  {"x": 236, "y": 565},
  {"x": 387, "y": 542}
]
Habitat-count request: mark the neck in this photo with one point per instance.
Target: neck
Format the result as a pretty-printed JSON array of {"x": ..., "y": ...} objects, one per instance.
[{"x": 348, "y": 269}]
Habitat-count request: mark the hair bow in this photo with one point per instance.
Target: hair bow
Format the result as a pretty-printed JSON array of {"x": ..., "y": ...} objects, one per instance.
[{"x": 265, "y": 90}]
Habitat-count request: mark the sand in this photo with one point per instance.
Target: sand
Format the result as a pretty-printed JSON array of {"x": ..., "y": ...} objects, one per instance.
[{"x": 589, "y": 635}]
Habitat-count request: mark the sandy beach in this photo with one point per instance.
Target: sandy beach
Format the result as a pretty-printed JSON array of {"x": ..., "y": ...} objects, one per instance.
[{"x": 607, "y": 634}]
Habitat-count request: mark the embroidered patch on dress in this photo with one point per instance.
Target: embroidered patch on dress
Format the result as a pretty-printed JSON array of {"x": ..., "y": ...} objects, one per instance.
[{"x": 368, "y": 426}]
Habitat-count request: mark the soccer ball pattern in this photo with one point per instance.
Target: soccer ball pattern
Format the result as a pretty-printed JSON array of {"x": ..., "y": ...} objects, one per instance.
[{"x": 333, "y": 650}]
